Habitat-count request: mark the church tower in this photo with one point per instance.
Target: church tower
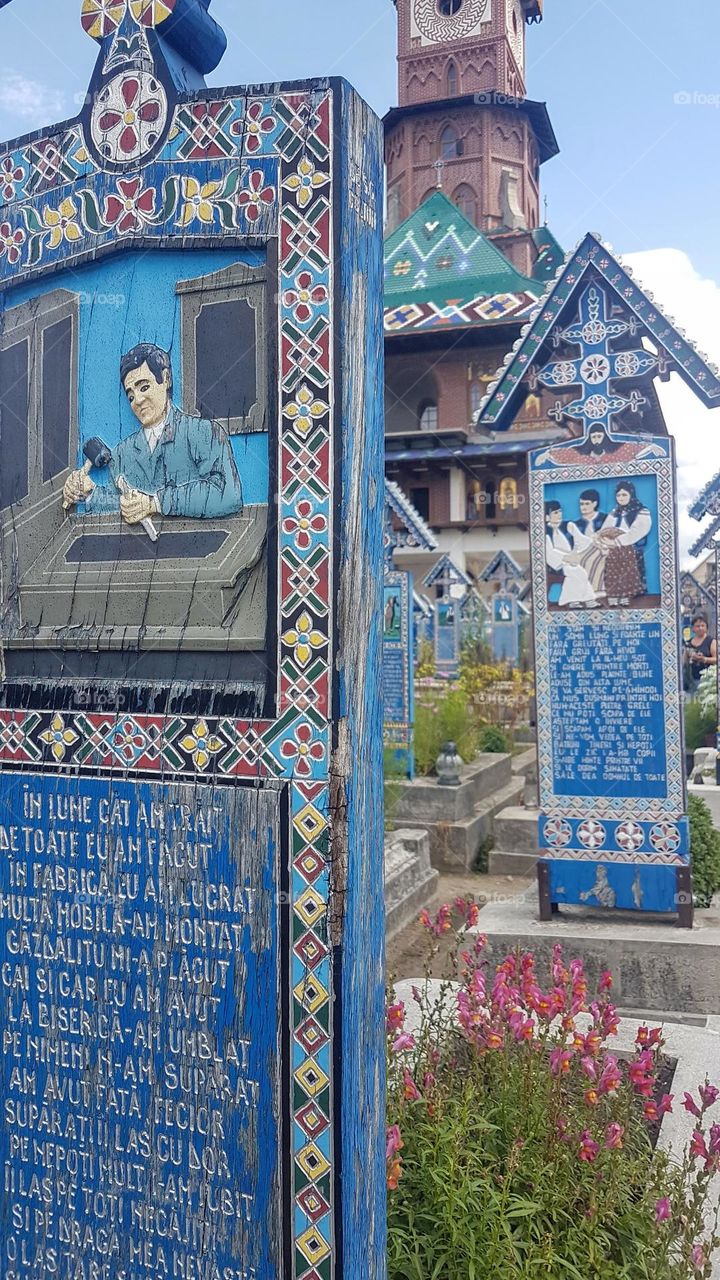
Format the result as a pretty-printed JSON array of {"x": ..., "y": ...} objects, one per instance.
[{"x": 464, "y": 124}]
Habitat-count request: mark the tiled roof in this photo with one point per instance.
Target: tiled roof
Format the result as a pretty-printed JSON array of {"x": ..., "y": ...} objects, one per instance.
[{"x": 441, "y": 272}]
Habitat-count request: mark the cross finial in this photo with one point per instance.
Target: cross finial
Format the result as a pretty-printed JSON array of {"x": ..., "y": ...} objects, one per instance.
[{"x": 439, "y": 167}]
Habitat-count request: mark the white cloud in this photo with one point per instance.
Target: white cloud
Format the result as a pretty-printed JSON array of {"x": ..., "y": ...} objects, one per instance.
[
  {"x": 28, "y": 100},
  {"x": 694, "y": 303}
]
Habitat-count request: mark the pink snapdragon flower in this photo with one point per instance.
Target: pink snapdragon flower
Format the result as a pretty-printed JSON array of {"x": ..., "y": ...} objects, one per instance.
[
  {"x": 393, "y": 1141},
  {"x": 614, "y": 1135},
  {"x": 403, "y": 1042},
  {"x": 662, "y": 1209},
  {"x": 395, "y": 1016},
  {"x": 588, "y": 1147}
]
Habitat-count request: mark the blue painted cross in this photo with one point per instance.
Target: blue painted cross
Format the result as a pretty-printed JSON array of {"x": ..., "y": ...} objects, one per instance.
[{"x": 597, "y": 366}]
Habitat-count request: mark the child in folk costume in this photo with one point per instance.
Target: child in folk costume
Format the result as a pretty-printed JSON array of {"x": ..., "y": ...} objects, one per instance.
[
  {"x": 626, "y": 529},
  {"x": 583, "y": 533},
  {"x": 563, "y": 558}
]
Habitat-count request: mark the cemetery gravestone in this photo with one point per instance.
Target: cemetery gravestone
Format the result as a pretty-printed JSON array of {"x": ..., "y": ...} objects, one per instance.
[
  {"x": 613, "y": 829},
  {"x": 190, "y": 815},
  {"x": 451, "y": 584},
  {"x": 404, "y": 527}
]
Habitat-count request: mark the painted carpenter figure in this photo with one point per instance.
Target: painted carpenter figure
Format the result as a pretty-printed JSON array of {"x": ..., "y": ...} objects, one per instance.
[{"x": 175, "y": 465}]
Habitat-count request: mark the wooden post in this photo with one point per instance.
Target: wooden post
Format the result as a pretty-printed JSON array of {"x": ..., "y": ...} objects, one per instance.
[{"x": 190, "y": 719}]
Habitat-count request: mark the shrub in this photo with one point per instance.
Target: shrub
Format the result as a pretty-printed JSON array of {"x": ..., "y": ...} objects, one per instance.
[
  {"x": 519, "y": 1146},
  {"x": 704, "y": 852},
  {"x": 699, "y": 723},
  {"x": 492, "y": 738},
  {"x": 448, "y": 718}
]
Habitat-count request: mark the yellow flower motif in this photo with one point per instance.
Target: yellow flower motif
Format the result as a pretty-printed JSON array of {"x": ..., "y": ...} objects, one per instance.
[
  {"x": 198, "y": 201},
  {"x": 305, "y": 181},
  {"x": 303, "y": 639},
  {"x": 303, "y": 411},
  {"x": 62, "y": 224},
  {"x": 58, "y": 738},
  {"x": 202, "y": 744}
]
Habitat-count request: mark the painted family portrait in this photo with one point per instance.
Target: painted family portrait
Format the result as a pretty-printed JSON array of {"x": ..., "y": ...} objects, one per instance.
[{"x": 601, "y": 544}]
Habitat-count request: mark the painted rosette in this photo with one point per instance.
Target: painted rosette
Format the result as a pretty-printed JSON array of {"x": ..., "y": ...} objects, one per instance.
[
  {"x": 101, "y": 17},
  {"x": 150, "y": 13},
  {"x": 591, "y": 834},
  {"x": 665, "y": 837},
  {"x": 129, "y": 117},
  {"x": 557, "y": 833},
  {"x": 630, "y": 836}
]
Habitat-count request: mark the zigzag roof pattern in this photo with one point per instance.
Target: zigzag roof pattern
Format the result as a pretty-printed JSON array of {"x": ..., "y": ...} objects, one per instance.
[
  {"x": 422, "y": 536},
  {"x": 440, "y": 270},
  {"x": 592, "y": 257}
]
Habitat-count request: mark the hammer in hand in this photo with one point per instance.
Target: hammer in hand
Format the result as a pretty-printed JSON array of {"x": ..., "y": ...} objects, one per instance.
[{"x": 97, "y": 454}]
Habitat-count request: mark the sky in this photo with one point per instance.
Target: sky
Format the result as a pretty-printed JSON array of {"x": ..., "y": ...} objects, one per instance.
[{"x": 633, "y": 90}]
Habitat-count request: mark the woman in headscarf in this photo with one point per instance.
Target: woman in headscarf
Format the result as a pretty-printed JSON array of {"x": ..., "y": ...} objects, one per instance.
[{"x": 626, "y": 529}]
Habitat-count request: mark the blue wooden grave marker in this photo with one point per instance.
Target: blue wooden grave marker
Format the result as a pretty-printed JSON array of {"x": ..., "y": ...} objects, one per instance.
[
  {"x": 404, "y": 527},
  {"x": 191, "y": 903},
  {"x": 452, "y": 585},
  {"x": 613, "y": 829}
]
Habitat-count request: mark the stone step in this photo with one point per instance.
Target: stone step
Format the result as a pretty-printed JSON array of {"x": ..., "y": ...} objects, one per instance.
[
  {"x": 424, "y": 800},
  {"x": 454, "y": 846},
  {"x": 515, "y": 850},
  {"x": 410, "y": 880}
]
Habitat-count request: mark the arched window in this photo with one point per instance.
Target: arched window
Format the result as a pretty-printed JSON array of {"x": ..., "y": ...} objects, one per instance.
[
  {"x": 490, "y": 498},
  {"x": 450, "y": 143},
  {"x": 508, "y": 495},
  {"x": 448, "y": 8},
  {"x": 393, "y": 208},
  {"x": 466, "y": 200},
  {"x": 476, "y": 396},
  {"x": 428, "y": 415},
  {"x": 452, "y": 80}
]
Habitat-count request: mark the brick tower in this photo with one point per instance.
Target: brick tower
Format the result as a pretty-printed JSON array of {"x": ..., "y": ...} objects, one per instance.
[{"x": 464, "y": 123}]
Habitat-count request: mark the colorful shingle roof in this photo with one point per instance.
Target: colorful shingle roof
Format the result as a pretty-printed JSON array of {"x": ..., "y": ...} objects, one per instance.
[{"x": 441, "y": 272}]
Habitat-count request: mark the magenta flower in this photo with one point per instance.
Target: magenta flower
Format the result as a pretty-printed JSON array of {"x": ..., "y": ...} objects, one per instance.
[
  {"x": 606, "y": 980},
  {"x": 691, "y": 1105},
  {"x": 588, "y": 1147},
  {"x": 395, "y": 1016},
  {"x": 662, "y": 1209},
  {"x": 698, "y": 1147},
  {"x": 715, "y": 1139},
  {"x": 614, "y": 1136},
  {"x": 393, "y": 1141},
  {"x": 666, "y": 1102},
  {"x": 402, "y": 1042},
  {"x": 709, "y": 1095},
  {"x": 610, "y": 1078},
  {"x": 410, "y": 1089},
  {"x": 560, "y": 1060},
  {"x": 697, "y": 1256}
]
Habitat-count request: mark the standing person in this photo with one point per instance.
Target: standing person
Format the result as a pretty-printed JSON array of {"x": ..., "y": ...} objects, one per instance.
[
  {"x": 583, "y": 533},
  {"x": 701, "y": 649},
  {"x": 563, "y": 558},
  {"x": 626, "y": 529}
]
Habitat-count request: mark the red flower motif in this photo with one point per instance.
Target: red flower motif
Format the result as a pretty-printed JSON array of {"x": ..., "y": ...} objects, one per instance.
[
  {"x": 131, "y": 207},
  {"x": 305, "y": 525},
  {"x": 10, "y": 175},
  {"x": 252, "y": 198},
  {"x": 136, "y": 113},
  {"x": 303, "y": 750},
  {"x": 253, "y": 126},
  {"x": 305, "y": 297},
  {"x": 11, "y": 242}
]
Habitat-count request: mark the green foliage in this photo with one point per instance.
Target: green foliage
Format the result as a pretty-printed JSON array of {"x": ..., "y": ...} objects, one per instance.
[
  {"x": 425, "y": 667},
  {"x": 492, "y": 738},
  {"x": 707, "y": 692},
  {"x": 448, "y": 718},
  {"x": 519, "y": 1146},
  {"x": 704, "y": 852},
  {"x": 700, "y": 723}
]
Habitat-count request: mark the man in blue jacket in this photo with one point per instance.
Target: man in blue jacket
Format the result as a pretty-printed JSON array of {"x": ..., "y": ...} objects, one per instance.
[{"x": 175, "y": 465}]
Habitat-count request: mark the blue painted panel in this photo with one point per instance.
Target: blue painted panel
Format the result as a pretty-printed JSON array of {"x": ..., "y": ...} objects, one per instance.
[
  {"x": 609, "y": 734},
  {"x": 128, "y": 299},
  {"x": 140, "y": 1068},
  {"x": 611, "y": 884}
]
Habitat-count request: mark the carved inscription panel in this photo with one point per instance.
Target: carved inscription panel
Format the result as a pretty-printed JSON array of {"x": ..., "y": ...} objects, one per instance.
[{"x": 139, "y": 1007}]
